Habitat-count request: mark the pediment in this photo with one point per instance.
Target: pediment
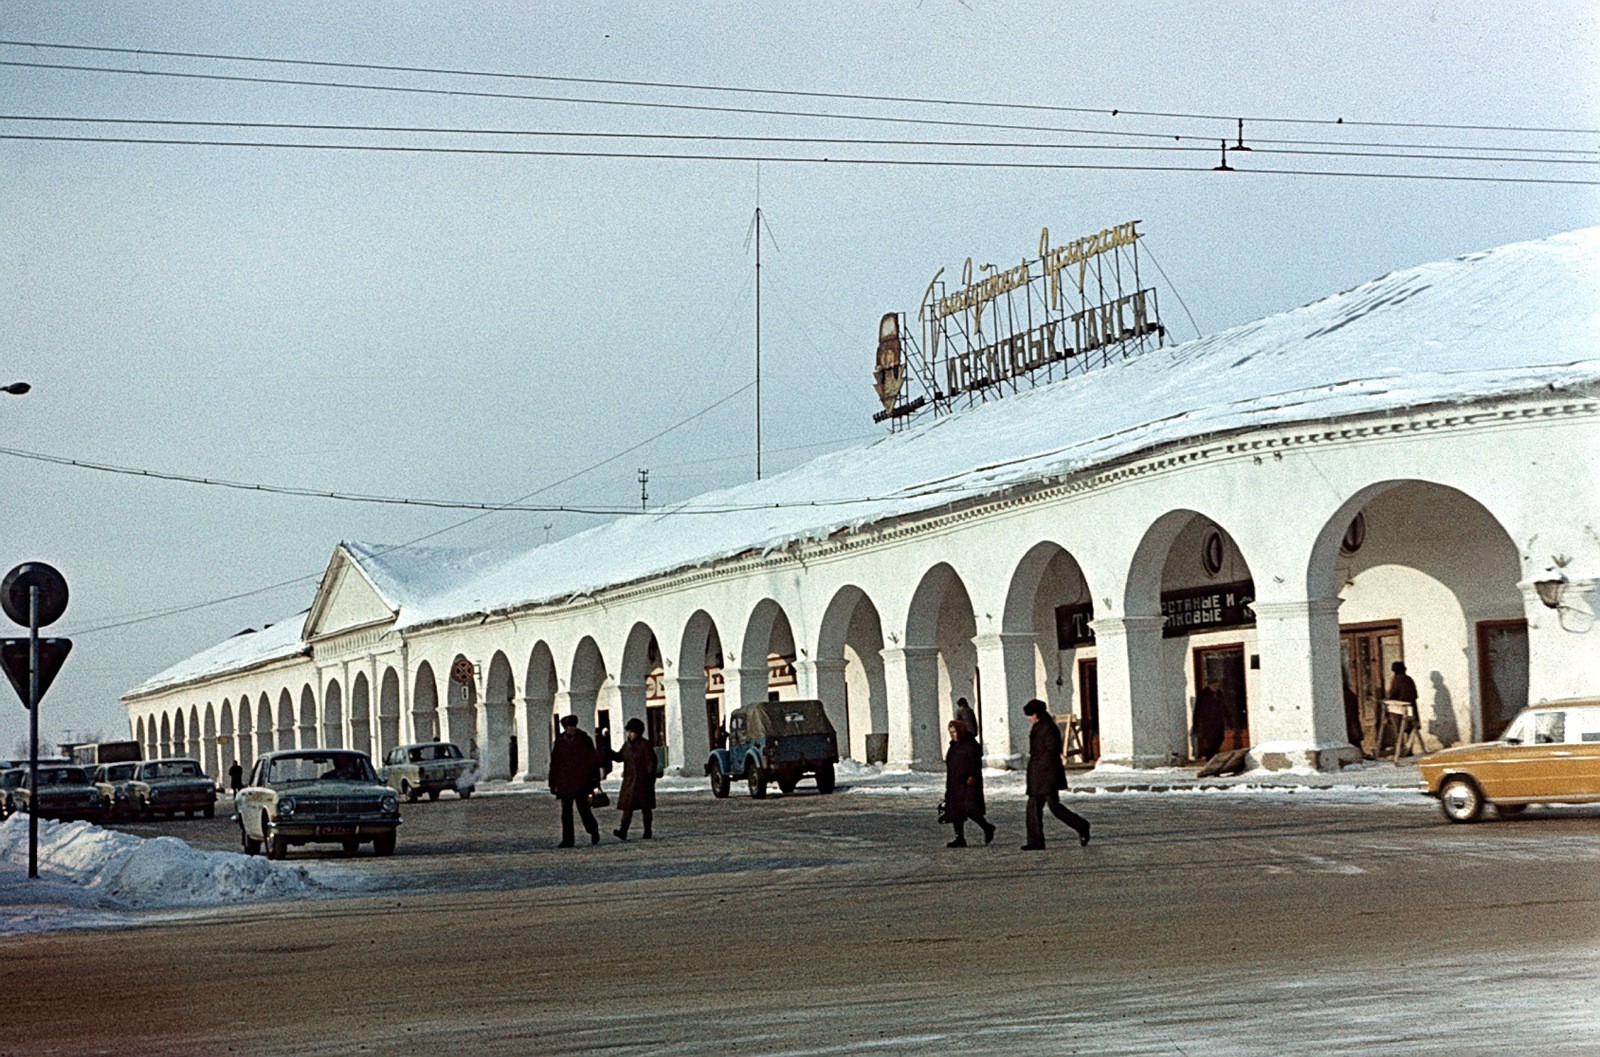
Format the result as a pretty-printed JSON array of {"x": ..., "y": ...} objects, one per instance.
[{"x": 346, "y": 600}]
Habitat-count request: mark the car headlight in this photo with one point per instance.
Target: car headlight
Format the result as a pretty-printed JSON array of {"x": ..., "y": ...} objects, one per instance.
[
  {"x": 390, "y": 804},
  {"x": 286, "y": 807}
]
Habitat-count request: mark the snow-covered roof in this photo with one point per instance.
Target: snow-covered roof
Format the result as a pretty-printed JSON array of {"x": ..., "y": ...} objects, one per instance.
[
  {"x": 244, "y": 650},
  {"x": 1517, "y": 319}
]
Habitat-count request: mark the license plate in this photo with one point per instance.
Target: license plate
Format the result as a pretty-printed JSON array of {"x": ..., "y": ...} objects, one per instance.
[{"x": 336, "y": 831}]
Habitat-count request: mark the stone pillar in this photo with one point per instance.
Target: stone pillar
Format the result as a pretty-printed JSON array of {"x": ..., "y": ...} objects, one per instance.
[
  {"x": 743, "y": 686},
  {"x": 1297, "y": 719},
  {"x": 533, "y": 740},
  {"x": 824, "y": 680},
  {"x": 1563, "y": 643},
  {"x": 628, "y": 703},
  {"x": 1135, "y": 727},
  {"x": 1006, "y": 667},
  {"x": 911, "y": 679},
  {"x": 688, "y": 740}
]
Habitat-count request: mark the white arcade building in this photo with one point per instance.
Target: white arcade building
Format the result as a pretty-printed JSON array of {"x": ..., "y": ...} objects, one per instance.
[{"x": 1407, "y": 470}]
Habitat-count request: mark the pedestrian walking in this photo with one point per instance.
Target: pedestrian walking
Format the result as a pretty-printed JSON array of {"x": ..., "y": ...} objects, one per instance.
[
  {"x": 235, "y": 777},
  {"x": 573, "y": 772},
  {"x": 963, "y": 785},
  {"x": 1046, "y": 777},
  {"x": 965, "y": 714},
  {"x": 638, "y": 759}
]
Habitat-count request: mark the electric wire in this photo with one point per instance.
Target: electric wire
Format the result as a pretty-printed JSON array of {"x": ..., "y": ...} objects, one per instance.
[
  {"x": 1209, "y": 148},
  {"x": 798, "y": 93},
  {"x": 940, "y": 163}
]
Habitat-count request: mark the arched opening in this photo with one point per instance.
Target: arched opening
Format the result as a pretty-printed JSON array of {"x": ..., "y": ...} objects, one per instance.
[
  {"x": 264, "y": 739},
  {"x": 165, "y": 745},
  {"x": 941, "y": 666},
  {"x": 361, "y": 714},
  {"x": 849, "y": 673},
  {"x": 767, "y": 655},
  {"x": 210, "y": 762},
  {"x": 425, "y": 705},
  {"x": 388, "y": 712},
  {"x": 1189, "y": 571},
  {"x": 539, "y": 704},
  {"x": 180, "y": 745},
  {"x": 461, "y": 705},
  {"x": 191, "y": 739},
  {"x": 307, "y": 730},
  {"x": 333, "y": 716},
  {"x": 140, "y": 736},
  {"x": 1428, "y": 577},
  {"x": 244, "y": 731},
  {"x": 1047, "y": 649},
  {"x": 642, "y": 690},
  {"x": 590, "y": 685},
  {"x": 229, "y": 749},
  {"x": 700, "y": 686},
  {"x": 286, "y": 738},
  {"x": 498, "y": 747}
]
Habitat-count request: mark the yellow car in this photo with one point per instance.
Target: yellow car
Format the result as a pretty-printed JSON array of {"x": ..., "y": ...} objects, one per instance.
[{"x": 1549, "y": 754}]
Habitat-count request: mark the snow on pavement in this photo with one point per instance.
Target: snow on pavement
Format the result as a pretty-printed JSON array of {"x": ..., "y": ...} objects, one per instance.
[{"x": 90, "y": 876}]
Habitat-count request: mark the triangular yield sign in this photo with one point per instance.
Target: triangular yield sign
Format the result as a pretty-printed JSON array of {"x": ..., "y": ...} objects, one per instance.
[{"x": 14, "y": 656}]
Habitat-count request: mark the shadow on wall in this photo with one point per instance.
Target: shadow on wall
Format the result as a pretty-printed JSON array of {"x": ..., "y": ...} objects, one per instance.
[{"x": 1445, "y": 727}]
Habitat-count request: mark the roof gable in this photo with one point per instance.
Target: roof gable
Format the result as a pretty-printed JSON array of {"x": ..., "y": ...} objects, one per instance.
[{"x": 346, "y": 599}]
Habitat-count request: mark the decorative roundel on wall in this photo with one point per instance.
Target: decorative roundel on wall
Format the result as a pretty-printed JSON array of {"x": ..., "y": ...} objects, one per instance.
[
  {"x": 461, "y": 671},
  {"x": 1355, "y": 535},
  {"x": 1211, "y": 553}
]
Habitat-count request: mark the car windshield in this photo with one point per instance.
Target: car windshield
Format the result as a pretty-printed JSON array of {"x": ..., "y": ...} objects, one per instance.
[
  {"x": 320, "y": 766},
  {"x": 120, "y": 773},
  {"x": 435, "y": 752},
  {"x": 170, "y": 769},
  {"x": 11, "y": 779},
  {"x": 64, "y": 776}
]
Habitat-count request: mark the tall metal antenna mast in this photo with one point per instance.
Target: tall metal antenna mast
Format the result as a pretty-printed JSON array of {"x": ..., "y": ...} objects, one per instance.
[{"x": 757, "y": 223}]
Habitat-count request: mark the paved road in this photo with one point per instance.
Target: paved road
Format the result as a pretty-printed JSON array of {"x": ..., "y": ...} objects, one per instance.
[{"x": 1213, "y": 923}]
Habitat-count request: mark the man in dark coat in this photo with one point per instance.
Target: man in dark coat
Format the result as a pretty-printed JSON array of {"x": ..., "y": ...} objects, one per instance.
[
  {"x": 967, "y": 718},
  {"x": 963, "y": 785},
  {"x": 638, "y": 759},
  {"x": 1046, "y": 777},
  {"x": 1402, "y": 687},
  {"x": 235, "y": 777},
  {"x": 572, "y": 777},
  {"x": 1210, "y": 719}
]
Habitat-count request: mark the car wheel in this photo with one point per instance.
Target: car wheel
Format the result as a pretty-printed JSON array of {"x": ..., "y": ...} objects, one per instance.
[
  {"x": 383, "y": 843},
  {"x": 1508, "y": 810},
  {"x": 465, "y": 793},
  {"x": 719, "y": 781},
  {"x": 251, "y": 845},
  {"x": 406, "y": 791},
  {"x": 352, "y": 846},
  {"x": 1460, "y": 800},
  {"x": 787, "y": 780},
  {"x": 211, "y": 811},
  {"x": 756, "y": 780},
  {"x": 825, "y": 778},
  {"x": 277, "y": 847},
  {"x": 433, "y": 794}
]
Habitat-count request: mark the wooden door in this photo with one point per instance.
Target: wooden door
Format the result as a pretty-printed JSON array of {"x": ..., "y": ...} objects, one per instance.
[
  {"x": 1502, "y": 674},
  {"x": 1223, "y": 668},
  {"x": 1089, "y": 708},
  {"x": 1368, "y": 651}
]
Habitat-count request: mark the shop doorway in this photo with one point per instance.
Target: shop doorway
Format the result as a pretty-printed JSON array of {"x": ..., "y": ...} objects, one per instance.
[
  {"x": 1368, "y": 651},
  {"x": 1502, "y": 673},
  {"x": 1222, "y": 668},
  {"x": 1089, "y": 708}
]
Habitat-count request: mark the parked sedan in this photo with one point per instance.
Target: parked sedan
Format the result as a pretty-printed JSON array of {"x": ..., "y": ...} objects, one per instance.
[
  {"x": 1549, "y": 754},
  {"x": 63, "y": 793},
  {"x": 115, "y": 782},
  {"x": 169, "y": 786},
  {"x": 429, "y": 767},
  {"x": 10, "y": 779},
  {"x": 303, "y": 796}
]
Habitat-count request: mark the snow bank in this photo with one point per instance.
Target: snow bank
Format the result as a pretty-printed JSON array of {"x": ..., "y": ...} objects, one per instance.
[{"x": 82, "y": 865}]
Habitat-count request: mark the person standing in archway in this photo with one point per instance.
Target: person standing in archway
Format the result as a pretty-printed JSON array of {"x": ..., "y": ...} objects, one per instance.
[
  {"x": 638, "y": 759},
  {"x": 965, "y": 716},
  {"x": 963, "y": 785},
  {"x": 572, "y": 778},
  {"x": 235, "y": 777},
  {"x": 1047, "y": 776},
  {"x": 1210, "y": 721}
]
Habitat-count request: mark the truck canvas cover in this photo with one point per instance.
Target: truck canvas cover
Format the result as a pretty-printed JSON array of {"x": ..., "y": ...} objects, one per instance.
[{"x": 786, "y": 719}]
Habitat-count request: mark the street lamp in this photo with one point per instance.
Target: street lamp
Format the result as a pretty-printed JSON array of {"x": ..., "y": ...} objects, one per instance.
[{"x": 16, "y": 388}]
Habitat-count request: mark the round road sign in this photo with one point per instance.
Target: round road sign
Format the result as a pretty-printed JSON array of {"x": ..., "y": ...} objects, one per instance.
[{"x": 15, "y": 591}]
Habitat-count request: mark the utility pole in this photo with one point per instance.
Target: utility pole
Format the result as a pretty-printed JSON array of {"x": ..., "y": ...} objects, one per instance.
[
  {"x": 758, "y": 341},
  {"x": 644, "y": 489}
]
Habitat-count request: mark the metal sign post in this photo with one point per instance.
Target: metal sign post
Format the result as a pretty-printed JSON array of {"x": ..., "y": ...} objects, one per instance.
[{"x": 40, "y": 592}]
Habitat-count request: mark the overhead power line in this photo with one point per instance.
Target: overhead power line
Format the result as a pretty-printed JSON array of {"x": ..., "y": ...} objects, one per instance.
[
  {"x": 1208, "y": 149},
  {"x": 617, "y": 82},
  {"x": 937, "y": 163}
]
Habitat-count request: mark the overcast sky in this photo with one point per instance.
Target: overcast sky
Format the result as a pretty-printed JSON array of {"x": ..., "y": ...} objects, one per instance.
[{"x": 477, "y": 327}]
